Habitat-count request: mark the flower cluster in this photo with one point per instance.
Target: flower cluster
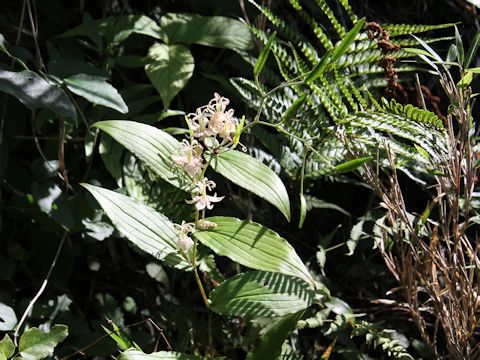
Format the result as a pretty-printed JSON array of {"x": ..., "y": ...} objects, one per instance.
[
  {"x": 212, "y": 127},
  {"x": 185, "y": 242},
  {"x": 190, "y": 157},
  {"x": 200, "y": 198},
  {"x": 214, "y": 120}
]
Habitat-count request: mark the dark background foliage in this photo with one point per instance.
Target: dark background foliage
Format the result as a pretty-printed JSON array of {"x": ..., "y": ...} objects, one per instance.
[{"x": 98, "y": 276}]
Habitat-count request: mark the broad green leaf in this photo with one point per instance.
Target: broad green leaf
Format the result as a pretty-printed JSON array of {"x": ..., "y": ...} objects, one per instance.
[
  {"x": 303, "y": 211},
  {"x": 35, "y": 344},
  {"x": 8, "y": 319},
  {"x": 151, "y": 145},
  {"x": 319, "y": 68},
  {"x": 254, "y": 246},
  {"x": 133, "y": 354},
  {"x": 4, "y": 48},
  {"x": 7, "y": 348},
  {"x": 169, "y": 69},
  {"x": 352, "y": 164},
  {"x": 466, "y": 80},
  {"x": 251, "y": 174},
  {"x": 36, "y": 92},
  {"x": 261, "y": 294},
  {"x": 135, "y": 24},
  {"x": 270, "y": 345},
  {"x": 115, "y": 29},
  {"x": 262, "y": 58},
  {"x": 216, "y": 31},
  {"x": 151, "y": 231},
  {"x": 97, "y": 91},
  {"x": 349, "y": 38}
]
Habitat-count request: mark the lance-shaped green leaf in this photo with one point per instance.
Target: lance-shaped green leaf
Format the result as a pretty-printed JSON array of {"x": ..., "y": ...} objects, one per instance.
[
  {"x": 254, "y": 246},
  {"x": 35, "y": 92},
  {"x": 349, "y": 38},
  {"x": 303, "y": 210},
  {"x": 97, "y": 91},
  {"x": 352, "y": 164},
  {"x": 151, "y": 145},
  {"x": 293, "y": 109},
  {"x": 319, "y": 68},
  {"x": 7, "y": 348},
  {"x": 262, "y": 58},
  {"x": 133, "y": 354},
  {"x": 251, "y": 174},
  {"x": 261, "y": 294},
  {"x": 459, "y": 45},
  {"x": 270, "y": 345},
  {"x": 473, "y": 49},
  {"x": 35, "y": 344},
  {"x": 151, "y": 231},
  {"x": 169, "y": 69}
]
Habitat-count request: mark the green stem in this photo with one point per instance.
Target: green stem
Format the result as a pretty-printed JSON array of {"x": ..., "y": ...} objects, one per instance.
[
  {"x": 200, "y": 286},
  {"x": 210, "y": 337}
]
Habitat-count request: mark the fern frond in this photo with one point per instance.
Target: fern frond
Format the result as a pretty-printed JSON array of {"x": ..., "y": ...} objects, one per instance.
[
  {"x": 317, "y": 30},
  {"x": 341, "y": 81},
  {"x": 381, "y": 338},
  {"x": 423, "y": 134},
  {"x": 367, "y": 44},
  {"x": 405, "y": 29},
  {"x": 322, "y": 4},
  {"x": 353, "y": 17},
  {"x": 419, "y": 115}
]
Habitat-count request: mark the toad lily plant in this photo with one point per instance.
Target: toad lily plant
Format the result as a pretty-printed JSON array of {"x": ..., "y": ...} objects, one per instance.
[{"x": 279, "y": 284}]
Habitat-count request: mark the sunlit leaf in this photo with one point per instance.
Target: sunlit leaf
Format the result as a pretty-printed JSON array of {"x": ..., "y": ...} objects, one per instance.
[
  {"x": 459, "y": 45},
  {"x": 472, "y": 51},
  {"x": 36, "y": 345},
  {"x": 293, "y": 109},
  {"x": 249, "y": 173},
  {"x": 303, "y": 211},
  {"x": 151, "y": 231},
  {"x": 97, "y": 91},
  {"x": 348, "y": 39},
  {"x": 8, "y": 319},
  {"x": 263, "y": 56},
  {"x": 169, "y": 69},
  {"x": 261, "y": 294},
  {"x": 352, "y": 164},
  {"x": 7, "y": 348},
  {"x": 319, "y": 68},
  {"x": 151, "y": 145},
  {"x": 35, "y": 92},
  {"x": 254, "y": 246}
]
